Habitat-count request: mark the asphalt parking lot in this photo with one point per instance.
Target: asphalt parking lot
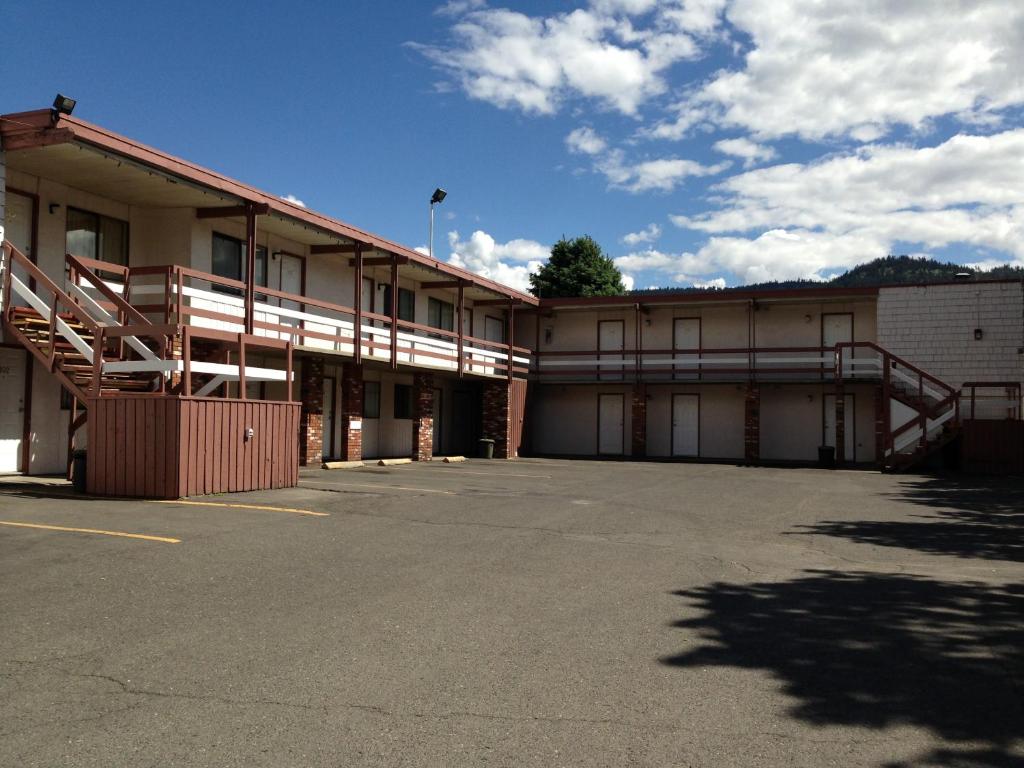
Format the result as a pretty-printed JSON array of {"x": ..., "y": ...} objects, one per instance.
[{"x": 541, "y": 613}]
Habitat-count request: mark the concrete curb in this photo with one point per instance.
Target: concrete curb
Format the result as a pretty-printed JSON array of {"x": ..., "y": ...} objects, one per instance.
[{"x": 342, "y": 464}]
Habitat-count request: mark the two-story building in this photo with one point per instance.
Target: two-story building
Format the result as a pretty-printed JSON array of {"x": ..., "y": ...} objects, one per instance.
[
  {"x": 134, "y": 280},
  {"x": 200, "y": 335},
  {"x": 875, "y": 373}
]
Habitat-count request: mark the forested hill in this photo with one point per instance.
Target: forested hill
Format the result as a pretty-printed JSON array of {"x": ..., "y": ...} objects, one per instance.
[{"x": 884, "y": 271}]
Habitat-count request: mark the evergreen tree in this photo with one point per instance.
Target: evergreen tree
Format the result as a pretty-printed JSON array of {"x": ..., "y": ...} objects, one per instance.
[{"x": 577, "y": 267}]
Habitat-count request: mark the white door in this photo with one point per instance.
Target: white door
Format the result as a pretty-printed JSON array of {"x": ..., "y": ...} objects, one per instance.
[
  {"x": 685, "y": 425},
  {"x": 610, "y": 338},
  {"x": 848, "y": 422},
  {"x": 610, "y": 418},
  {"x": 18, "y": 230},
  {"x": 12, "y": 414},
  {"x": 328, "y": 426},
  {"x": 836, "y": 328},
  {"x": 686, "y": 336}
]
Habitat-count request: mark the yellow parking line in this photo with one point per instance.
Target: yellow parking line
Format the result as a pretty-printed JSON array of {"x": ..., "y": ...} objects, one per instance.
[
  {"x": 241, "y": 506},
  {"x": 383, "y": 487},
  {"x": 122, "y": 534}
]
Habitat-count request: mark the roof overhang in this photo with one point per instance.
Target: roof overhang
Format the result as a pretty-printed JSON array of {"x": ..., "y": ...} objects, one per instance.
[{"x": 92, "y": 158}]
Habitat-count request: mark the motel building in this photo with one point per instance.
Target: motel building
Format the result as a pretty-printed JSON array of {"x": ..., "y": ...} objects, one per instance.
[{"x": 196, "y": 335}]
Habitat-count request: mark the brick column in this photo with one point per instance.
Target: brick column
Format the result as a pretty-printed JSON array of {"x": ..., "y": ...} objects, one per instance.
[
  {"x": 840, "y": 425},
  {"x": 752, "y": 424},
  {"x": 497, "y": 416},
  {"x": 351, "y": 412},
  {"x": 880, "y": 406},
  {"x": 422, "y": 417},
  {"x": 639, "y": 421},
  {"x": 311, "y": 418}
]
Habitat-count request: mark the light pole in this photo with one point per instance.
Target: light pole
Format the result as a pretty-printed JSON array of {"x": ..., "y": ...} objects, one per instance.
[{"x": 437, "y": 197}]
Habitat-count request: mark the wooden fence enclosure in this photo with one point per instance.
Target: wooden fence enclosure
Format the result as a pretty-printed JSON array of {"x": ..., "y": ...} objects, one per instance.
[
  {"x": 169, "y": 447},
  {"x": 992, "y": 447}
]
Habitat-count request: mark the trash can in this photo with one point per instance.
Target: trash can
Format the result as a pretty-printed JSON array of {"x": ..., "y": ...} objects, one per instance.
[
  {"x": 78, "y": 471},
  {"x": 486, "y": 448},
  {"x": 826, "y": 456}
]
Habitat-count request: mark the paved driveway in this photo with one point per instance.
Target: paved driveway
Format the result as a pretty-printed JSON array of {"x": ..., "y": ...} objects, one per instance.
[{"x": 539, "y": 613}]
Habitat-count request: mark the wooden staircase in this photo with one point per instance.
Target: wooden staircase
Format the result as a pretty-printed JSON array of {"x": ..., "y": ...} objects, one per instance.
[
  {"x": 69, "y": 365},
  {"x": 934, "y": 405}
]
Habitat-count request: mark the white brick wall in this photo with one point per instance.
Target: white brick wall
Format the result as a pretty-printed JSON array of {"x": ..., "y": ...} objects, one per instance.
[{"x": 933, "y": 328}]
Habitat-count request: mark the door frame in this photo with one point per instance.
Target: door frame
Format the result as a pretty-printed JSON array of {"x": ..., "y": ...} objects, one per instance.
[
  {"x": 622, "y": 403},
  {"x": 334, "y": 413},
  {"x": 672, "y": 431},
  {"x": 621, "y": 352},
  {"x": 700, "y": 340},
  {"x": 276, "y": 254},
  {"x": 850, "y": 423},
  {"x": 26, "y": 429}
]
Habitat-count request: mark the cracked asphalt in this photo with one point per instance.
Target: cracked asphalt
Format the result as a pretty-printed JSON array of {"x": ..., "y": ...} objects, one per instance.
[{"x": 537, "y": 612}]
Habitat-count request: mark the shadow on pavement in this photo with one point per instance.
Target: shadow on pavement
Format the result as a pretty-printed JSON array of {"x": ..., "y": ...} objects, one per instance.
[
  {"x": 970, "y": 520},
  {"x": 878, "y": 650}
]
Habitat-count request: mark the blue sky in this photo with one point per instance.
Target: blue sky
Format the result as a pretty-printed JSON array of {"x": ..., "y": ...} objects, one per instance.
[{"x": 707, "y": 142}]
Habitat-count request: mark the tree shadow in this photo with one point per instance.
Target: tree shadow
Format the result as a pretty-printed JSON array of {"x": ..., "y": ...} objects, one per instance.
[
  {"x": 877, "y": 651},
  {"x": 970, "y": 520}
]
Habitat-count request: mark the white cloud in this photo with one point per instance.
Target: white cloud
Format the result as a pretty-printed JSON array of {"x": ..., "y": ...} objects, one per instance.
[
  {"x": 585, "y": 141},
  {"x": 459, "y": 7},
  {"x": 293, "y": 200},
  {"x": 807, "y": 220},
  {"x": 718, "y": 282},
  {"x": 659, "y": 175},
  {"x": 749, "y": 151},
  {"x": 509, "y": 263},
  {"x": 647, "y": 235},
  {"x": 596, "y": 53},
  {"x": 628, "y": 281},
  {"x": 856, "y": 69}
]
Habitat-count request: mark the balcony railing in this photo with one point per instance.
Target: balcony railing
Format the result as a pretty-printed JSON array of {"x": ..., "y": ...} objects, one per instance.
[
  {"x": 202, "y": 300},
  {"x": 703, "y": 364}
]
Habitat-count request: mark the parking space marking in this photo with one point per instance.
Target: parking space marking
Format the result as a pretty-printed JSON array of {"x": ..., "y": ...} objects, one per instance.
[
  {"x": 262, "y": 507},
  {"x": 122, "y": 534},
  {"x": 385, "y": 487},
  {"x": 495, "y": 474}
]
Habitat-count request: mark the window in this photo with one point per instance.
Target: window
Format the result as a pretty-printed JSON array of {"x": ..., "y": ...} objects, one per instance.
[
  {"x": 406, "y": 303},
  {"x": 371, "y": 399},
  {"x": 403, "y": 401},
  {"x": 440, "y": 314},
  {"x": 494, "y": 329},
  {"x": 229, "y": 261},
  {"x": 97, "y": 237}
]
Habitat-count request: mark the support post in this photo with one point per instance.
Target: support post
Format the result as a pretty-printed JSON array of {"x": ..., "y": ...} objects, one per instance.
[
  {"x": 241, "y": 368},
  {"x": 352, "y": 389},
  {"x": 462, "y": 310},
  {"x": 394, "y": 311},
  {"x": 511, "y": 337},
  {"x": 250, "y": 262},
  {"x": 422, "y": 417},
  {"x": 639, "y": 421},
  {"x": 357, "y": 348},
  {"x": 311, "y": 416},
  {"x": 752, "y": 423}
]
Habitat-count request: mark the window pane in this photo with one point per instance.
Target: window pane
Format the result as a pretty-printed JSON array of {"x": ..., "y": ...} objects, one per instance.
[
  {"x": 494, "y": 329},
  {"x": 261, "y": 266},
  {"x": 406, "y": 305},
  {"x": 227, "y": 257},
  {"x": 403, "y": 401},
  {"x": 82, "y": 233},
  {"x": 371, "y": 400},
  {"x": 113, "y": 246},
  {"x": 440, "y": 314}
]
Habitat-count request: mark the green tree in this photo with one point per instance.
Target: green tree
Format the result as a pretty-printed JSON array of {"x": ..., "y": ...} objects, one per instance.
[{"x": 577, "y": 267}]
